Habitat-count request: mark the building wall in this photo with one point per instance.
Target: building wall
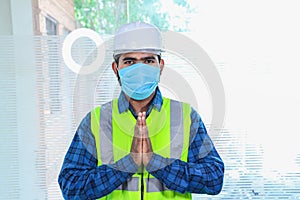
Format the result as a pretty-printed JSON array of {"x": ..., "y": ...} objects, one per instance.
[{"x": 62, "y": 11}]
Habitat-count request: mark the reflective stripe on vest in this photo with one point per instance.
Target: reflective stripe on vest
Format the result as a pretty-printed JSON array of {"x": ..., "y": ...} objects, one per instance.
[
  {"x": 178, "y": 140},
  {"x": 176, "y": 129},
  {"x": 131, "y": 185},
  {"x": 106, "y": 147},
  {"x": 154, "y": 185}
]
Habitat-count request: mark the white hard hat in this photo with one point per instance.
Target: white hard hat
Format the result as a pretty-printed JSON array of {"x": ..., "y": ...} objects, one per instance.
[{"x": 137, "y": 37}]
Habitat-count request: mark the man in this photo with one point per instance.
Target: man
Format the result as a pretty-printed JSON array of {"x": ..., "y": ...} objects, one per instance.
[{"x": 140, "y": 145}]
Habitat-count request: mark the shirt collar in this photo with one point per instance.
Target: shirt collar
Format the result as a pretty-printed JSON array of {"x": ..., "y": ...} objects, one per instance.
[{"x": 123, "y": 103}]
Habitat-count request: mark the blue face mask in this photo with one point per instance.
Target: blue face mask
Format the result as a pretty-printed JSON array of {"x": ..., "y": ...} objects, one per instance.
[{"x": 139, "y": 80}]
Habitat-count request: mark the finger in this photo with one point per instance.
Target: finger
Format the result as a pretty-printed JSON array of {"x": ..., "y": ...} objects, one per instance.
[
  {"x": 139, "y": 125},
  {"x": 145, "y": 132},
  {"x": 144, "y": 121},
  {"x": 139, "y": 121},
  {"x": 137, "y": 130},
  {"x": 140, "y": 114},
  {"x": 144, "y": 118},
  {"x": 146, "y": 139}
]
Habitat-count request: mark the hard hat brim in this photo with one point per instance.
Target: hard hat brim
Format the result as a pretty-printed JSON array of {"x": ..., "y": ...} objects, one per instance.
[{"x": 117, "y": 53}]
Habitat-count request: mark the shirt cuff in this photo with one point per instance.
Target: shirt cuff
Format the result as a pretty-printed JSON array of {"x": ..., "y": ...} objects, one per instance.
[
  {"x": 125, "y": 164},
  {"x": 158, "y": 162}
]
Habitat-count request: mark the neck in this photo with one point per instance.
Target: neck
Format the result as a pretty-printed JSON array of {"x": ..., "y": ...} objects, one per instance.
[{"x": 140, "y": 105}]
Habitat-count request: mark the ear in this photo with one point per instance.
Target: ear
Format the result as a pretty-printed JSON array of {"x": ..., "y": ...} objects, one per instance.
[
  {"x": 114, "y": 67},
  {"x": 161, "y": 65}
]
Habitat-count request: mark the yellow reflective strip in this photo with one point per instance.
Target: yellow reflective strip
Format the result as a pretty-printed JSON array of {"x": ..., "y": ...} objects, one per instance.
[
  {"x": 159, "y": 128},
  {"x": 187, "y": 126},
  {"x": 123, "y": 130}
]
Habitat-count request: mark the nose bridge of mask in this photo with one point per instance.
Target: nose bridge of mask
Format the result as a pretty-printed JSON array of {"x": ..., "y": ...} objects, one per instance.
[
  {"x": 145, "y": 70},
  {"x": 137, "y": 65},
  {"x": 136, "y": 68}
]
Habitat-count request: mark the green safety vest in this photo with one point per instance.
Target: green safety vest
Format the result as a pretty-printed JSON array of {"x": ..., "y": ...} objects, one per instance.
[{"x": 169, "y": 131}]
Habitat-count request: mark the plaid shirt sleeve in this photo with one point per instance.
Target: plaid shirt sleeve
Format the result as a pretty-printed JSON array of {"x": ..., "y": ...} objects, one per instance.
[
  {"x": 204, "y": 171},
  {"x": 81, "y": 178}
]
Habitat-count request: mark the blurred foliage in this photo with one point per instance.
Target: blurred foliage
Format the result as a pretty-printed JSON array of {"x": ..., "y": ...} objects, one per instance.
[{"x": 104, "y": 16}]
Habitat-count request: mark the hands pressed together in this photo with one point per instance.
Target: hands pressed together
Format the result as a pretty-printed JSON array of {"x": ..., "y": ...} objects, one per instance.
[{"x": 141, "y": 148}]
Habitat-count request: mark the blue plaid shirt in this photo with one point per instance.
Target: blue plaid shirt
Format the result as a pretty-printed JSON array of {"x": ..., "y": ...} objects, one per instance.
[{"x": 81, "y": 178}]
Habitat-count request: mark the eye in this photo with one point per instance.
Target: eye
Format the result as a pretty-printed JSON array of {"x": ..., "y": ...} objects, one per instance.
[
  {"x": 150, "y": 61},
  {"x": 128, "y": 62}
]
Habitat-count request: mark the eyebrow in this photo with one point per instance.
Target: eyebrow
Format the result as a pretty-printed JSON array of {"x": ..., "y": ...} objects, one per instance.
[{"x": 134, "y": 59}]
